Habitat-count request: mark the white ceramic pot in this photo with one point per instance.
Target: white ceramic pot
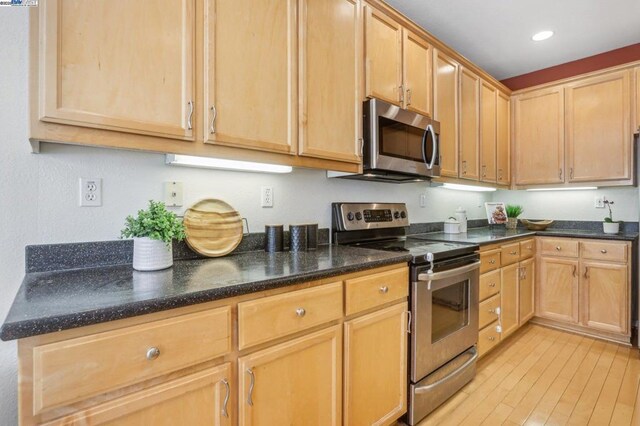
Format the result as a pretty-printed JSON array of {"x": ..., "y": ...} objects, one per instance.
[
  {"x": 451, "y": 226},
  {"x": 611, "y": 228},
  {"x": 151, "y": 255}
]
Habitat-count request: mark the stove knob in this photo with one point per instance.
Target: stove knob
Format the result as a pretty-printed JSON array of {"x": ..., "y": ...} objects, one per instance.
[
  {"x": 358, "y": 216},
  {"x": 396, "y": 215},
  {"x": 403, "y": 215},
  {"x": 350, "y": 216}
]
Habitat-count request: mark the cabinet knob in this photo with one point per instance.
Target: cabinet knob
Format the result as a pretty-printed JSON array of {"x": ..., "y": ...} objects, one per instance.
[
  {"x": 384, "y": 289},
  {"x": 301, "y": 312},
  {"x": 492, "y": 311},
  {"x": 492, "y": 261},
  {"x": 513, "y": 253},
  {"x": 492, "y": 285},
  {"x": 153, "y": 353},
  {"x": 603, "y": 251},
  {"x": 491, "y": 338},
  {"x": 558, "y": 248}
]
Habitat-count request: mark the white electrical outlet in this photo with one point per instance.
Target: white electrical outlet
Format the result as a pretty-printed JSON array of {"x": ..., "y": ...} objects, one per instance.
[
  {"x": 423, "y": 200},
  {"x": 599, "y": 203},
  {"x": 90, "y": 192},
  {"x": 173, "y": 194},
  {"x": 266, "y": 199}
]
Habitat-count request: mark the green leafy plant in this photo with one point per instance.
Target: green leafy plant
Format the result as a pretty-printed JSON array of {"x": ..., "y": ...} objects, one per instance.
[
  {"x": 156, "y": 223},
  {"x": 513, "y": 210},
  {"x": 608, "y": 203}
]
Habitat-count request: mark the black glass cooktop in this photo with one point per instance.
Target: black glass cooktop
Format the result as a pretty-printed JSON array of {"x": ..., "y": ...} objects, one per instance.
[{"x": 419, "y": 249}]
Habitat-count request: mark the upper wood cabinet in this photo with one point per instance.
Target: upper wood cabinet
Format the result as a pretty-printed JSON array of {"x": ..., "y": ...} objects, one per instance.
[
  {"x": 383, "y": 57},
  {"x": 417, "y": 55},
  {"x": 488, "y": 132},
  {"x": 598, "y": 128},
  {"x": 469, "y": 124},
  {"x": 331, "y": 53},
  {"x": 636, "y": 126},
  {"x": 250, "y": 74},
  {"x": 539, "y": 137},
  {"x": 119, "y": 65},
  {"x": 503, "y": 139},
  {"x": 445, "y": 110}
]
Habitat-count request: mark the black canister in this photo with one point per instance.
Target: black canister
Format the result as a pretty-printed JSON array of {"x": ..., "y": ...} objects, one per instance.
[
  {"x": 312, "y": 236},
  {"x": 274, "y": 238},
  {"x": 297, "y": 238}
]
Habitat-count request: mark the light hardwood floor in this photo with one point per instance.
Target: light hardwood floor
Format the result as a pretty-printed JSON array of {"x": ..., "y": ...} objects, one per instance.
[{"x": 541, "y": 376}]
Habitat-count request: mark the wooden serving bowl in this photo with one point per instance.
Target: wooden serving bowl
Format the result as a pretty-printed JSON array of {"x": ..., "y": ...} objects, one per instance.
[{"x": 536, "y": 225}]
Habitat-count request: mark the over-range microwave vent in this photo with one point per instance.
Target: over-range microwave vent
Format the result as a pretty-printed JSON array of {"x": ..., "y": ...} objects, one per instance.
[{"x": 380, "y": 176}]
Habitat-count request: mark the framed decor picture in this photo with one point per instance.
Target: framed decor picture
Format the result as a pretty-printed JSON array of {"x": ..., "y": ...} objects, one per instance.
[{"x": 496, "y": 213}]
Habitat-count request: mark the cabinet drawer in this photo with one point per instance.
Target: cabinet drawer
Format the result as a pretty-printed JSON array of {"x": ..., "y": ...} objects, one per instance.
[
  {"x": 487, "y": 339},
  {"x": 272, "y": 317},
  {"x": 72, "y": 370},
  {"x": 375, "y": 290},
  {"x": 488, "y": 311},
  {"x": 527, "y": 249},
  {"x": 490, "y": 260},
  {"x": 597, "y": 250},
  {"x": 510, "y": 254},
  {"x": 559, "y": 247},
  {"x": 489, "y": 284}
]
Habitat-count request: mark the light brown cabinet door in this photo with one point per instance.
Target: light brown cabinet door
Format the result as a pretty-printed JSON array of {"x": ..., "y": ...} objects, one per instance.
[
  {"x": 204, "y": 398},
  {"x": 503, "y": 139},
  {"x": 636, "y": 126},
  {"x": 250, "y": 74},
  {"x": 604, "y": 289},
  {"x": 509, "y": 299},
  {"x": 445, "y": 110},
  {"x": 539, "y": 137},
  {"x": 598, "y": 129},
  {"x": 526, "y": 290},
  {"x": 469, "y": 124},
  {"x": 375, "y": 387},
  {"x": 383, "y": 57},
  {"x": 330, "y": 75},
  {"x": 558, "y": 289},
  {"x": 138, "y": 79},
  {"x": 488, "y": 132},
  {"x": 417, "y": 73},
  {"x": 296, "y": 382}
]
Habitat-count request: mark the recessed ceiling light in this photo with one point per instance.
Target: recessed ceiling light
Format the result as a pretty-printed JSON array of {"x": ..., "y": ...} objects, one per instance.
[{"x": 542, "y": 35}]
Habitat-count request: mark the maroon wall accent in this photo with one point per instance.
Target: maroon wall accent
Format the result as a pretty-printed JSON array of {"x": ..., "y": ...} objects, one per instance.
[{"x": 592, "y": 63}]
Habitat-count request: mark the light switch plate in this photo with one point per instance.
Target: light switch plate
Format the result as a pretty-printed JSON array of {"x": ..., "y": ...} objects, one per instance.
[{"x": 173, "y": 194}]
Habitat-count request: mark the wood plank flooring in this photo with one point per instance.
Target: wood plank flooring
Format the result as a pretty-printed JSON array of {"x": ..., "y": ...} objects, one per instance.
[{"x": 541, "y": 376}]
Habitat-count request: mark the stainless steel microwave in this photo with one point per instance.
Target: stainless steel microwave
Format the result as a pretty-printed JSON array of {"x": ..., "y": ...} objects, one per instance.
[{"x": 399, "y": 145}]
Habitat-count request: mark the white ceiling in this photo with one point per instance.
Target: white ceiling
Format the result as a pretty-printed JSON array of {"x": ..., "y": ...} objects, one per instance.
[{"x": 496, "y": 34}]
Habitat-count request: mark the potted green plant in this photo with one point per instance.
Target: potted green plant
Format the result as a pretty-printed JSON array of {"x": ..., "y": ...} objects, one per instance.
[
  {"x": 513, "y": 211},
  {"x": 153, "y": 231},
  {"x": 609, "y": 226}
]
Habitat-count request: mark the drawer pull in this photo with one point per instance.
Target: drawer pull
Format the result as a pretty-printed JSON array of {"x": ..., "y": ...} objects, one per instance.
[
  {"x": 529, "y": 248},
  {"x": 492, "y": 285},
  {"x": 603, "y": 251},
  {"x": 558, "y": 248},
  {"x": 491, "y": 338},
  {"x": 384, "y": 289},
  {"x": 513, "y": 253},
  {"x": 153, "y": 353},
  {"x": 251, "y": 384},
  {"x": 492, "y": 311},
  {"x": 225, "y": 412},
  {"x": 301, "y": 312},
  {"x": 492, "y": 261},
  {"x": 575, "y": 269}
]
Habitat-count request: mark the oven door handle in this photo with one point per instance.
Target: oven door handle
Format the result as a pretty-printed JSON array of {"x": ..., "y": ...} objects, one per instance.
[
  {"x": 431, "y": 276},
  {"x": 427, "y": 388}
]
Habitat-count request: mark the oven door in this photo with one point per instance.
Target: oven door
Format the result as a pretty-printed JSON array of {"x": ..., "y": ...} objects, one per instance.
[
  {"x": 400, "y": 141},
  {"x": 445, "y": 317}
]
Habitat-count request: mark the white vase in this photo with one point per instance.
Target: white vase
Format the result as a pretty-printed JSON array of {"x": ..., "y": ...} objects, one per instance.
[
  {"x": 611, "y": 227},
  {"x": 151, "y": 255}
]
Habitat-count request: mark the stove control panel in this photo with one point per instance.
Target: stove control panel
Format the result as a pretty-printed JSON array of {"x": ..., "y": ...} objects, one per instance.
[{"x": 359, "y": 216}]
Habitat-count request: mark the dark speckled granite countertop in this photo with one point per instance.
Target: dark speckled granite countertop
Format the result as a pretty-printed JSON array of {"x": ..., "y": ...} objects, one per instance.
[
  {"x": 488, "y": 235},
  {"x": 58, "y": 300}
]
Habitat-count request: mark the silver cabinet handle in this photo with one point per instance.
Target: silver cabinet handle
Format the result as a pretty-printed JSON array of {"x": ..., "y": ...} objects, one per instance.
[
  {"x": 571, "y": 173},
  {"x": 603, "y": 251},
  {"x": 301, "y": 312},
  {"x": 491, "y": 338},
  {"x": 214, "y": 115},
  {"x": 384, "y": 289},
  {"x": 492, "y": 311},
  {"x": 492, "y": 285},
  {"x": 251, "y": 384},
  {"x": 153, "y": 353},
  {"x": 513, "y": 253},
  {"x": 492, "y": 261},
  {"x": 499, "y": 174},
  {"x": 408, "y": 97},
  {"x": 558, "y": 248},
  {"x": 225, "y": 412},
  {"x": 484, "y": 170},
  {"x": 586, "y": 272},
  {"x": 361, "y": 141},
  {"x": 190, "y": 116},
  {"x": 409, "y": 318},
  {"x": 464, "y": 167},
  {"x": 401, "y": 93},
  {"x": 575, "y": 269},
  {"x": 560, "y": 173}
]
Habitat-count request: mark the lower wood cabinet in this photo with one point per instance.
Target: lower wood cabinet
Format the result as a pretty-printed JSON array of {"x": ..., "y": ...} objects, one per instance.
[
  {"x": 526, "y": 291},
  {"x": 587, "y": 289},
  {"x": 509, "y": 299},
  {"x": 297, "y": 382},
  {"x": 198, "y": 399},
  {"x": 375, "y": 385}
]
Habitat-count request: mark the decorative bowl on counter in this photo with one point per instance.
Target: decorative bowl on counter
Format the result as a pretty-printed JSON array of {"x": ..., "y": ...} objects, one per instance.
[{"x": 536, "y": 225}]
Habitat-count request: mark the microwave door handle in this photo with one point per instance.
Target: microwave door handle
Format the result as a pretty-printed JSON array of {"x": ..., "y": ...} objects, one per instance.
[
  {"x": 463, "y": 367},
  {"x": 427, "y": 277},
  {"x": 434, "y": 153},
  {"x": 424, "y": 147}
]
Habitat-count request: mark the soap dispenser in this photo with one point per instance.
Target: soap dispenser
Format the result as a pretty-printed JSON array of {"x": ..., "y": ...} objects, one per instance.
[{"x": 461, "y": 217}]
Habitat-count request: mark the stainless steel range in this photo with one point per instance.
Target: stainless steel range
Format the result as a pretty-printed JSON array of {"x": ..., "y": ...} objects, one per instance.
[{"x": 443, "y": 299}]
